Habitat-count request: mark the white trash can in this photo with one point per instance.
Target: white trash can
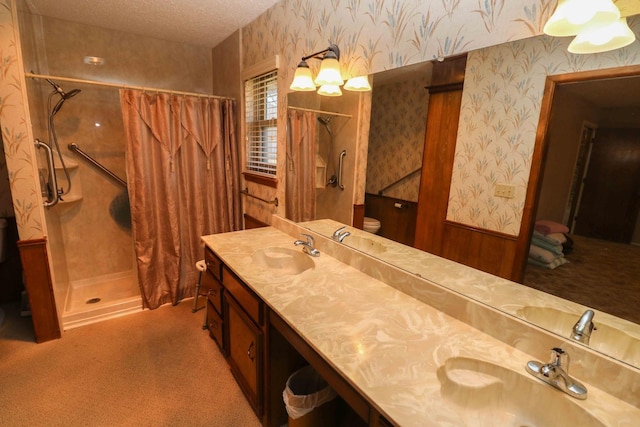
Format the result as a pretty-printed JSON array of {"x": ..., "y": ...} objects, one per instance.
[{"x": 309, "y": 400}]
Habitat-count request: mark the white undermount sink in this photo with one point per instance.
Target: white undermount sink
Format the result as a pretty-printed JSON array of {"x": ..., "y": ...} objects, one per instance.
[
  {"x": 282, "y": 261},
  {"x": 605, "y": 338},
  {"x": 486, "y": 394},
  {"x": 364, "y": 244}
]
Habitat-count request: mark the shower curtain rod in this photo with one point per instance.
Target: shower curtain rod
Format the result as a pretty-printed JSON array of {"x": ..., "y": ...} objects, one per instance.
[
  {"x": 320, "y": 112},
  {"x": 123, "y": 86}
]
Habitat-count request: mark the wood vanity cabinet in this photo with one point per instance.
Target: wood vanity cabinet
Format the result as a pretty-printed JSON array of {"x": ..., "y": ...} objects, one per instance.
[
  {"x": 235, "y": 319},
  {"x": 263, "y": 351},
  {"x": 245, "y": 352},
  {"x": 212, "y": 286}
]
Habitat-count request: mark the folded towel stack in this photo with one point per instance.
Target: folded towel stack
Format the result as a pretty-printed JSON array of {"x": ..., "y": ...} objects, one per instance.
[{"x": 547, "y": 242}]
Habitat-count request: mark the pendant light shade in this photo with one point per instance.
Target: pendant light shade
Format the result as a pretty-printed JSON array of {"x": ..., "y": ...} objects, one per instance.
[
  {"x": 329, "y": 77},
  {"x": 602, "y": 39},
  {"x": 329, "y": 73},
  {"x": 573, "y": 16},
  {"x": 329, "y": 90},
  {"x": 302, "y": 79},
  {"x": 358, "y": 84}
]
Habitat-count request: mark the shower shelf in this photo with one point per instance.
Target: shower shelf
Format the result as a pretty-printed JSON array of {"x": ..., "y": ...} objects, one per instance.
[{"x": 70, "y": 199}]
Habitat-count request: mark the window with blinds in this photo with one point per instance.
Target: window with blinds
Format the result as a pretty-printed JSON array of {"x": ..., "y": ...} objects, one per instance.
[{"x": 261, "y": 106}]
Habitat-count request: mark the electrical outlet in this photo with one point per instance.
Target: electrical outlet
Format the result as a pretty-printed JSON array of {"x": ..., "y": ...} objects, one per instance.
[{"x": 507, "y": 191}]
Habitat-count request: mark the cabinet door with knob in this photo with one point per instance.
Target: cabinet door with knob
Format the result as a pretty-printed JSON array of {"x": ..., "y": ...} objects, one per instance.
[{"x": 245, "y": 352}]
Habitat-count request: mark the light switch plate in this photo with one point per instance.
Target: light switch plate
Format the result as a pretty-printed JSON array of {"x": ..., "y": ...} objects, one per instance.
[{"x": 507, "y": 191}]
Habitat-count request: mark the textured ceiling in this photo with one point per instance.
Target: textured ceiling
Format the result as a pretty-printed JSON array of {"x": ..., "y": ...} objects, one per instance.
[{"x": 198, "y": 22}]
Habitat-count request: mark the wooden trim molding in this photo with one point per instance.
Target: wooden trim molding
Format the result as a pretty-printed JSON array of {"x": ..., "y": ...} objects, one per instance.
[
  {"x": 37, "y": 278},
  {"x": 261, "y": 179},
  {"x": 449, "y": 223},
  {"x": 540, "y": 153},
  {"x": 358, "y": 216}
]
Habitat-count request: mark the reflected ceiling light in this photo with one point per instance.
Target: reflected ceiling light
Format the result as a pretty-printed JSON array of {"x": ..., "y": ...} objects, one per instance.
[
  {"x": 603, "y": 38},
  {"x": 329, "y": 74},
  {"x": 573, "y": 16},
  {"x": 329, "y": 90},
  {"x": 358, "y": 84}
]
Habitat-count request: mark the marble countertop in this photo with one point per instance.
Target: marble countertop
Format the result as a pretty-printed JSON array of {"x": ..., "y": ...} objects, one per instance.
[
  {"x": 521, "y": 301},
  {"x": 387, "y": 344}
]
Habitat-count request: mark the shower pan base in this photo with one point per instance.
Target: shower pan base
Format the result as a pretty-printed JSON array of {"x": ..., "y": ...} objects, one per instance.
[{"x": 97, "y": 299}]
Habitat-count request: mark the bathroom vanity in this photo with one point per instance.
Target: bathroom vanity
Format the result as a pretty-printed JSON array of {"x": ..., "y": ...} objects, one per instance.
[{"x": 399, "y": 350}]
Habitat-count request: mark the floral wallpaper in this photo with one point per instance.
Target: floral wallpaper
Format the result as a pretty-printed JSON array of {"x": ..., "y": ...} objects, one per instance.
[
  {"x": 16, "y": 135},
  {"x": 501, "y": 104},
  {"x": 396, "y": 137},
  {"x": 6, "y": 204},
  {"x": 376, "y": 35}
]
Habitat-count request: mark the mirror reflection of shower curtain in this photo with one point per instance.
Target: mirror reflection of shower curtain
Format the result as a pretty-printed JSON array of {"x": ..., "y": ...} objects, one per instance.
[
  {"x": 301, "y": 166},
  {"x": 183, "y": 183}
]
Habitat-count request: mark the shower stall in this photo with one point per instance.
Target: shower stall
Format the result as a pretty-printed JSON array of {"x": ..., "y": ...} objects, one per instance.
[
  {"x": 88, "y": 222},
  {"x": 89, "y": 242}
]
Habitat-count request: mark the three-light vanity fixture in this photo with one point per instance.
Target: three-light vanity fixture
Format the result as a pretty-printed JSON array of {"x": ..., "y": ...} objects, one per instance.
[
  {"x": 329, "y": 78},
  {"x": 596, "y": 25}
]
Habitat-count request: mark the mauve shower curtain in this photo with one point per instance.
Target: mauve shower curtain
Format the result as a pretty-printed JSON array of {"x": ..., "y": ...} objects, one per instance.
[
  {"x": 301, "y": 166},
  {"x": 183, "y": 178}
]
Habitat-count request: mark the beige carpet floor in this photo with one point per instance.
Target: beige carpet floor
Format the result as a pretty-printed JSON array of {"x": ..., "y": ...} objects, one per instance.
[
  {"x": 600, "y": 274},
  {"x": 154, "y": 368}
]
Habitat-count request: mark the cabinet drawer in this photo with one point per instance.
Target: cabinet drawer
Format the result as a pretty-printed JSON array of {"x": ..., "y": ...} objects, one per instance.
[
  {"x": 214, "y": 265},
  {"x": 243, "y": 295},
  {"x": 245, "y": 353},
  {"x": 214, "y": 324},
  {"x": 213, "y": 289}
]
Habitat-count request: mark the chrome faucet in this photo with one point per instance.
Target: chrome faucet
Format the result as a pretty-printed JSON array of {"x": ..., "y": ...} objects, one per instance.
[
  {"x": 340, "y": 234},
  {"x": 584, "y": 326},
  {"x": 308, "y": 247},
  {"x": 556, "y": 373}
]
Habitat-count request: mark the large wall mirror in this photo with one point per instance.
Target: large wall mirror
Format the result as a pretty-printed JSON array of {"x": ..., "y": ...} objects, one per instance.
[{"x": 602, "y": 274}]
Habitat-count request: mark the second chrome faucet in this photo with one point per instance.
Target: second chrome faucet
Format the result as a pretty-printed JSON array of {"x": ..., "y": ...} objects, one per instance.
[
  {"x": 308, "y": 246},
  {"x": 556, "y": 373},
  {"x": 340, "y": 234}
]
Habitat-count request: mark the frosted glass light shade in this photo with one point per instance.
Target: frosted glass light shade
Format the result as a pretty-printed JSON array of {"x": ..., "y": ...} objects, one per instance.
[
  {"x": 573, "y": 16},
  {"x": 329, "y": 73},
  {"x": 329, "y": 90},
  {"x": 358, "y": 84},
  {"x": 602, "y": 39},
  {"x": 302, "y": 80}
]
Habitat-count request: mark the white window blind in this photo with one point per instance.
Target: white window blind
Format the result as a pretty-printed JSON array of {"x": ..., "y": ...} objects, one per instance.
[{"x": 261, "y": 105}]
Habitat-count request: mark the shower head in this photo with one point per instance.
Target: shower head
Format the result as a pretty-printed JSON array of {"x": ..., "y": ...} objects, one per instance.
[
  {"x": 64, "y": 97},
  {"x": 325, "y": 120},
  {"x": 62, "y": 93},
  {"x": 71, "y": 93}
]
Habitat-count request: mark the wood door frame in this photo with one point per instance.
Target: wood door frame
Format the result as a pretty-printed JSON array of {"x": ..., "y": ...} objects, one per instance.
[
  {"x": 541, "y": 148},
  {"x": 582, "y": 165}
]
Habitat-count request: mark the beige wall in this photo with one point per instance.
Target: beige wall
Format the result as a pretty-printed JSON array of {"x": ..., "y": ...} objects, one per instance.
[
  {"x": 85, "y": 242},
  {"x": 396, "y": 136},
  {"x": 568, "y": 116}
]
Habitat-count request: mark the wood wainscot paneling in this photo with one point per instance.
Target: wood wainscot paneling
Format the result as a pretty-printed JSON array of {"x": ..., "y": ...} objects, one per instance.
[
  {"x": 397, "y": 217},
  {"x": 485, "y": 250},
  {"x": 358, "y": 216},
  {"x": 251, "y": 222},
  {"x": 493, "y": 252},
  {"x": 37, "y": 278}
]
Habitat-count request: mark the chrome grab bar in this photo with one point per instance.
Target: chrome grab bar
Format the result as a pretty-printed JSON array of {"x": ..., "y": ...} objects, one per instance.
[
  {"x": 53, "y": 180},
  {"x": 271, "y": 202},
  {"x": 342, "y": 154},
  {"x": 74, "y": 147}
]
